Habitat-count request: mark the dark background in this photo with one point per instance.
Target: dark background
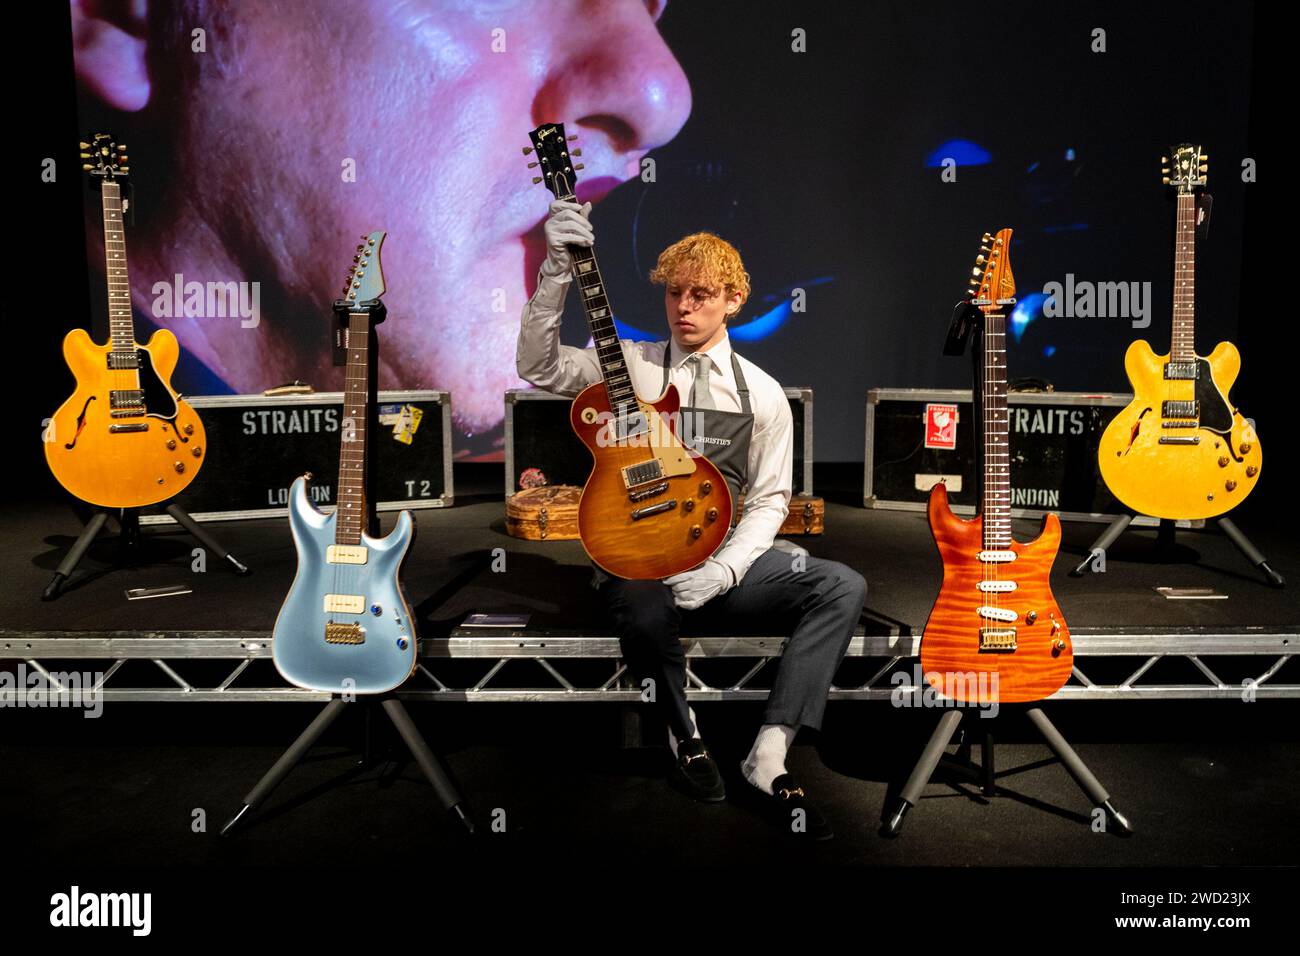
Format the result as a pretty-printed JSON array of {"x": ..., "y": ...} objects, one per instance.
[{"x": 815, "y": 166}]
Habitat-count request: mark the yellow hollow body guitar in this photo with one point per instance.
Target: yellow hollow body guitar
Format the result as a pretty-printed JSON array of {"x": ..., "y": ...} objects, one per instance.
[
  {"x": 1180, "y": 449},
  {"x": 124, "y": 439}
]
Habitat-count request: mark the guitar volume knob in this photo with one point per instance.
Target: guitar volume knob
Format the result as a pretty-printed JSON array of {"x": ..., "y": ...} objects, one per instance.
[
  {"x": 171, "y": 444},
  {"x": 1223, "y": 461},
  {"x": 179, "y": 466},
  {"x": 1251, "y": 471},
  {"x": 1246, "y": 447},
  {"x": 712, "y": 514},
  {"x": 696, "y": 531},
  {"x": 706, "y": 487},
  {"x": 1230, "y": 484}
]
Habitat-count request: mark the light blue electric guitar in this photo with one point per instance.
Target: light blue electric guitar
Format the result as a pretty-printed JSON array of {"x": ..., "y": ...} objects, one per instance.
[{"x": 345, "y": 626}]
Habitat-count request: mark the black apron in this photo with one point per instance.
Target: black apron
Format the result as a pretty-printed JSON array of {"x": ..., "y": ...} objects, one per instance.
[{"x": 722, "y": 437}]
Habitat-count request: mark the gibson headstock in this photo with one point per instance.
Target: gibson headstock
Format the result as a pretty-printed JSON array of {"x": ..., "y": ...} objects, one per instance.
[
  {"x": 993, "y": 287},
  {"x": 365, "y": 280},
  {"x": 1188, "y": 171},
  {"x": 105, "y": 159},
  {"x": 555, "y": 159}
]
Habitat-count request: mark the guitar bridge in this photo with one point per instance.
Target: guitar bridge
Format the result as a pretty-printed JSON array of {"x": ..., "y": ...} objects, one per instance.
[
  {"x": 997, "y": 640},
  {"x": 650, "y": 492},
  {"x": 349, "y": 633},
  {"x": 1180, "y": 439}
]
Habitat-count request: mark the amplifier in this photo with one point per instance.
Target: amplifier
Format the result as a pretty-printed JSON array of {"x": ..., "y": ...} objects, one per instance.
[
  {"x": 539, "y": 436},
  {"x": 917, "y": 436},
  {"x": 258, "y": 444}
]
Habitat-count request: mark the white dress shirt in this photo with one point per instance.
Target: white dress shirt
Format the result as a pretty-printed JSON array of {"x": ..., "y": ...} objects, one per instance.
[{"x": 566, "y": 370}]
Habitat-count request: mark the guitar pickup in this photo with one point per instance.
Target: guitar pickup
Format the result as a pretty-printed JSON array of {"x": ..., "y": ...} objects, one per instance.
[
  {"x": 126, "y": 403},
  {"x": 346, "y": 554},
  {"x": 642, "y": 472},
  {"x": 1177, "y": 409},
  {"x": 344, "y": 633},
  {"x": 650, "y": 492},
  {"x": 663, "y": 506},
  {"x": 996, "y": 557},
  {"x": 1182, "y": 371},
  {"x": 996, "y": 587},
  {"x": 345, "y": 603},
  {"x": 123, "y": 360},
  {"x": 997, "y": 640},
  {"x": 1004, "y": 614}
]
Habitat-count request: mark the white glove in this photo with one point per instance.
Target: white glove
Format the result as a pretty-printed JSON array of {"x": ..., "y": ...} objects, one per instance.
[
  {"x": 693, "y": 588},
  {"x": 567, "y": 225}
]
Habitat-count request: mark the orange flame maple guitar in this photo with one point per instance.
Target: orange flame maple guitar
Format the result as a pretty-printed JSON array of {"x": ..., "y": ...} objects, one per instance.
[
  {"x": 124, "y": 439},
  {"x": 652, "y": 507},
  {"x": 996, "y": 632},
  {"x": 1180, "y": 450}
]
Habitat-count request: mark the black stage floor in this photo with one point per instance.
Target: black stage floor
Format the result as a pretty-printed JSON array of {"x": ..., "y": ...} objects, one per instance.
[
  {"x": 1204, "y": 782},
  {"x": 449, "y": 572}
]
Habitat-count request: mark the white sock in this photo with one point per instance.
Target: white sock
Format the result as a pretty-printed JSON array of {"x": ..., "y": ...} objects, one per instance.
[
  {"x": 672, "y": 738},
  {"x": 766, "y": 761}
]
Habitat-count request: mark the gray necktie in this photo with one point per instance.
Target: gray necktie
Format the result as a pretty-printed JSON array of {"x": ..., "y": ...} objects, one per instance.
[{"x": 700, "y": 395}]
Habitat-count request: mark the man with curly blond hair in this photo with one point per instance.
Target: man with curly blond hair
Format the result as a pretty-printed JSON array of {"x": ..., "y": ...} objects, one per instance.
[{"x": 737, "y": 415}]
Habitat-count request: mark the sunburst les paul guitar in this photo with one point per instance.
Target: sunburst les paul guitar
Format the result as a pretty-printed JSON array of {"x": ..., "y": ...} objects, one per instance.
[
  {"x": 1180, "y": 450},
  {"x": 996, "y": 632},
  {"x": 345, "y": 624},
  {"x": 651, "y": 507},
  {"x": 124, "y": 439}
]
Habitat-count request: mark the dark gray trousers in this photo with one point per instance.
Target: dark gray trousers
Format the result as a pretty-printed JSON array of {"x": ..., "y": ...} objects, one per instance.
[{"x": 817, "y": 602}]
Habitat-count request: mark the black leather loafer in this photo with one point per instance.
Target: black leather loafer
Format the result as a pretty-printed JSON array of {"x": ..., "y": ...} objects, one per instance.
[
  {"x": 788, "y": 808},
  {"x": 696, "y": 774}
]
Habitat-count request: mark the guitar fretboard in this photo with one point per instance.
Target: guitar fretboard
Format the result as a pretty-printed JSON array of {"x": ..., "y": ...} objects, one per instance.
[
  {"x": 600, "y": 320},
  {"x": 121, "y": 326},
  {"x": 996, "y": 505},
  {"x": 350, "y": 517},
  {"x": 1182, "y": 346}
]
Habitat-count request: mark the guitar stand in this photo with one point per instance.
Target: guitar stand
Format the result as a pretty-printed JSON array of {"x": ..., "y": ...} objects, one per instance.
[
  {"x": 986, "y": 773},
  {"x": 443, "y": 788},
  {"x": 129, "y": 542},
  {"x": 1165, "y": 544}
]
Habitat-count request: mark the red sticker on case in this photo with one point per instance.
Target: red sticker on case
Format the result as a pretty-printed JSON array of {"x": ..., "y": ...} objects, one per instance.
[{"x": 941, "y": 426}]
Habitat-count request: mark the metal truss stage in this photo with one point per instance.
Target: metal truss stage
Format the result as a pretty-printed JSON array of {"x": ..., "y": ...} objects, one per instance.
[{"x": 519, "y": 666}]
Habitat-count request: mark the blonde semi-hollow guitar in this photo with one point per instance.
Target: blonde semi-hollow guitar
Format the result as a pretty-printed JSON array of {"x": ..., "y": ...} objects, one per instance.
[
  {"x": 1180, "y": 449},
  {"x": 124, "y": 439}
]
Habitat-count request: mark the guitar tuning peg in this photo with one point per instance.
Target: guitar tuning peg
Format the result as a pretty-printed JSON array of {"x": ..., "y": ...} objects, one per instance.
[
  {"x": 1165, "y": 180},
  {"x": 527, "y": 150},
  {"x": 87, "y": 167},
  {"x": 85, "y": 146},
  {"x": 537, "y": 179},
  {"x": 121, "y": 147},
  {"x": 577, "y": 152},
  {"x": 1164, "y": 159},
  {"x": 975, "y": 273},
  {"x": 126, "y": 169},
  {"x": 532, "y": 165},
  {"x": 980, "y": 260},
  {"x": 361, "y": 249},
  {"x": 571, "y": 138},
  {"x": 580, "y": 166},
  {"x": 124, "y": 158}
]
